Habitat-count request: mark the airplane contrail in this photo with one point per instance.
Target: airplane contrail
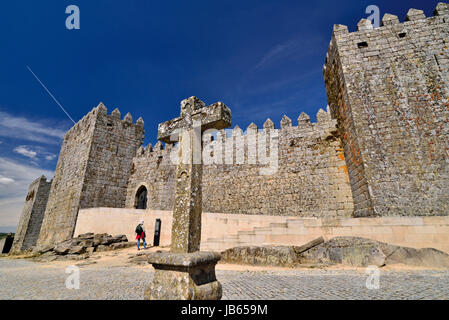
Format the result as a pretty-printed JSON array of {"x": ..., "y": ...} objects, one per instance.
[{"x": 50, "y": 94}]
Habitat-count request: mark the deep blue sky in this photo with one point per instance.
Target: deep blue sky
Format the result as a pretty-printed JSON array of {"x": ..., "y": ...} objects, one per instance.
[{"x": 261, "y": 58}]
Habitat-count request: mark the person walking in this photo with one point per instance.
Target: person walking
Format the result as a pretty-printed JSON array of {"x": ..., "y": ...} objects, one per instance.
[{"x": 140, "y": 231}]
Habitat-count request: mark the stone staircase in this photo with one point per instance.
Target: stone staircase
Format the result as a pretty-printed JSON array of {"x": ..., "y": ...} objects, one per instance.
[{"x": 291, "y": 231}]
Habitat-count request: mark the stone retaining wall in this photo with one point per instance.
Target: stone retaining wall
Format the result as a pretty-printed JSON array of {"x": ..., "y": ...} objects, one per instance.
[{"x": 222, "y": 231}]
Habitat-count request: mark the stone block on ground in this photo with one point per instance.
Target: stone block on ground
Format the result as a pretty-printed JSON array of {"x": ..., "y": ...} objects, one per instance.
[
  {"x": 90, "y": 250},
  {"x": 43, "y": 249},
  {"x": 86, "y": 243},
  {"x": 119, "y": 238},
  {"x": 62, "y": 248},
  {"x": 86, "y": 236},
  {"x": 77, "y": 250},
  {"x": 102, "y": 239},
  {"x": 308, "y": 245},
  {"x": 263, "y": 255}
]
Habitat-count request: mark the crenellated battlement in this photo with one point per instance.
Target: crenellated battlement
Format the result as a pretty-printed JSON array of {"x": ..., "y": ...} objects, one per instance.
[
  {"x": 368, "y": 40},
  {"x": 101, "y": 110},
  {"x": 321, "y": 127},
  {"x": 159, "y": 149},
  {"x": 413, "y": 15},
  {"x": 304, "y": 128}
]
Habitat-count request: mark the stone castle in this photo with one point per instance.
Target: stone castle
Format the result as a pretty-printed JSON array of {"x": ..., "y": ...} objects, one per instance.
[{"x": 381, "y": 149}]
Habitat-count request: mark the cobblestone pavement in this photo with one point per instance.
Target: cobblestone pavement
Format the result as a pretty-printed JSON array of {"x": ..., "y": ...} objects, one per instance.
[{"x": 21, "y": 279}]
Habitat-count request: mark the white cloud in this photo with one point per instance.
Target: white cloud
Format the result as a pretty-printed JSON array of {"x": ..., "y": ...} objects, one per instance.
[
  {"x": 5, "y": 180},
  {"x": 21, "y": 128},
  {"x": 23, "y": 150},
  {"x": 50, "y": 157},
  {"x": 13, "y": 193}
]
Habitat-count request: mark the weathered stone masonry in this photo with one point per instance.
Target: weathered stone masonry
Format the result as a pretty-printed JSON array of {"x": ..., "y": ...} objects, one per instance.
[
  {"x": 311, "y": 178},
  {"x": 92, "y": 171},
  {"x": 32, "y": 215},
  {"x": 388, "y": 88}
]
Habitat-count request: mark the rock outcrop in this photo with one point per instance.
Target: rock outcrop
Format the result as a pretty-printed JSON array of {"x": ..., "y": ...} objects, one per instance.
[
  {"x": 351, "y": 251},
  {"x": 283, "y": 256}
]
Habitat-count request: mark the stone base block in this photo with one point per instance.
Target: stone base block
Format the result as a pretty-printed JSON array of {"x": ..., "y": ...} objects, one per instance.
[{"x": 184, "y": 276}]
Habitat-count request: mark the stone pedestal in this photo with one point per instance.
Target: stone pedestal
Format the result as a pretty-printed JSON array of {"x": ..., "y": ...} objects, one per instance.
[{"x": 184, "y": 276}]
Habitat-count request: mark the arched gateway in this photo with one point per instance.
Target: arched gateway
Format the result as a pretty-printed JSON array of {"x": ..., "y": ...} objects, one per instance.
[{"x": 141, "y": 198}]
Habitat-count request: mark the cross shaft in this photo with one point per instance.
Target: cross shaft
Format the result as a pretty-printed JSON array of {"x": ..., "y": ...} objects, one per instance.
[{"x": 195, "y": 118}]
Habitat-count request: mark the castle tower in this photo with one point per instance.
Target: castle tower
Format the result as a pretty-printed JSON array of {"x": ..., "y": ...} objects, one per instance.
[
  {"x": 32, "y": 215},
  {"x": 92, "y": 171},
  {"x": 388, "y": 88}
]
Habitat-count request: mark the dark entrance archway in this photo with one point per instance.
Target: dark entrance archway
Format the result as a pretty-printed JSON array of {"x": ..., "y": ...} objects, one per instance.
[{"x": 141, "y": 198}]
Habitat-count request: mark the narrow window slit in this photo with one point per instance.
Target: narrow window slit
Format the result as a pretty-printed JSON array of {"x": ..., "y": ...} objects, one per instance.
[
  {"x": 402, "y": 35},
  {"x": 363, "y": 44}
]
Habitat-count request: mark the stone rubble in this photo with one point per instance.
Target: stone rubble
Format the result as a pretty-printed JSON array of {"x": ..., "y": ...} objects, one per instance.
[{"x": 82, "y": 247}]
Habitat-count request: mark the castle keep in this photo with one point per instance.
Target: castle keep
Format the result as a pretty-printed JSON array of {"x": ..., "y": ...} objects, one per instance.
[
  {"x": 381, "y": 148},
  {"x": 92, "y": 171},
  {"x": 389, "y": 88}
]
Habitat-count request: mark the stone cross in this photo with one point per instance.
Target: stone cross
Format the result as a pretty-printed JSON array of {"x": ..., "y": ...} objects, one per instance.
[{"x": 194, "y": 119}]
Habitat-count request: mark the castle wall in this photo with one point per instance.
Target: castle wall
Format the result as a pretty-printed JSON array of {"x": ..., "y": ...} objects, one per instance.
[
  {"x": 389, "y": 88},
  {"x": 93, "y": 168},
  {"x": 32, "y": 215},
  {"x": 308, "y": 178}
]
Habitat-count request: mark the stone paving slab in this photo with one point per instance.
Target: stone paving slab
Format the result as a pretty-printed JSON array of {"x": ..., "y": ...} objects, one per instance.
[{"x": 21, "y": 279}]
